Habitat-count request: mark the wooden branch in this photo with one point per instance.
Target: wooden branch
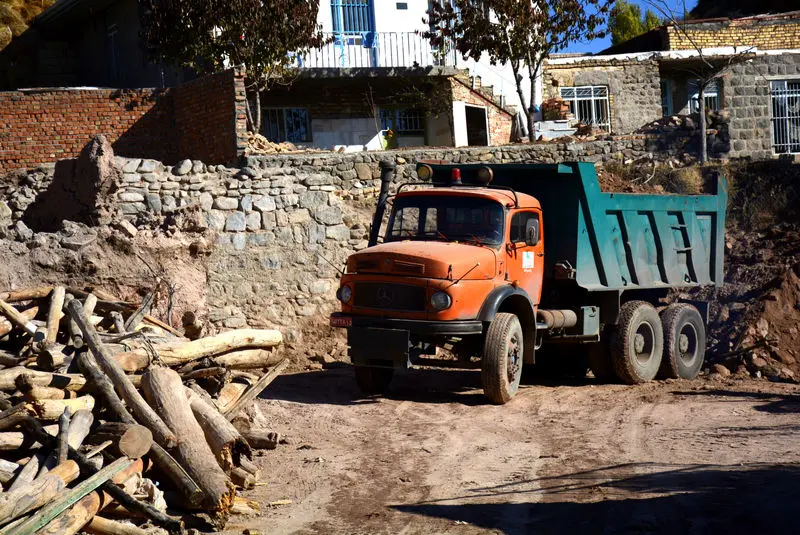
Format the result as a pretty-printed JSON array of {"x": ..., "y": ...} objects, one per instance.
[
  {"x": 29, "y": 471},
  {"x": 8, "y": 378},
  {"x": 15, "y": 440},
  {"x": 158, "y": 323},
  {"x": 51, "y": 409},
  {"x": 163, "y": 460},
  {"x": 224, "y": 439},
  {"x": 26, "y": 294},
  {"x": 6, "y": 326},
  {"x": 105, "y": 526},
  {"x": 89, "y": 303},
  {"x": 45, "y": 515},
  {"x": 79, "y": 427},
  {"x": 55, "y": 313},
  {"x": 119, "y": 323},
  {"x": 127, "y": 440},
  {"x": 51, "y": 357},
  {"x": 173, "y": 354},
  {"x": 20, "y": 320},
  {"x": 143, "y": 413},
  {"x": 261, "y": 439},
  {"x": 15, "y": 503},
  {"x": 63, "y": 430},
  {"x": 203, "y": 373},
  {"x": 247, "y": 359},
  {"x": 255, "y": 390},
  {"x": 242, "y": 478},
  {"x": 8, "y": 470},
  {"x": 13, "y": 416},
  {"x": 134, "y": 319},
  {"x": 229, "y": 394},
  {"x": 165, "y": 391},
  {"x": 35, "y": 393}
]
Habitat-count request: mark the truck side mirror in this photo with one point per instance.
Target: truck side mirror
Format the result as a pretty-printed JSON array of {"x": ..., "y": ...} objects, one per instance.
[{"x": 532, "y": 232}]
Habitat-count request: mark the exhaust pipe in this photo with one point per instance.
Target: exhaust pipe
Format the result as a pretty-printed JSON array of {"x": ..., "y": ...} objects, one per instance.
[{"x": 387, "y": 173}]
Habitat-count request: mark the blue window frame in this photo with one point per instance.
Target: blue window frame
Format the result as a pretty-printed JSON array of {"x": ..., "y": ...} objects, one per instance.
[{"x": 352, "y": 17}]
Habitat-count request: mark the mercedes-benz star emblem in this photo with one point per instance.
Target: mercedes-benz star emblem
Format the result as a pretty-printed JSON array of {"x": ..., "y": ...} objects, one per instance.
[{"x": 385, "y": 297}]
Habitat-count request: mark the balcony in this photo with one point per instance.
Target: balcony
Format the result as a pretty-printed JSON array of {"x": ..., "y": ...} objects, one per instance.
[{"x": 377, "y": 50}]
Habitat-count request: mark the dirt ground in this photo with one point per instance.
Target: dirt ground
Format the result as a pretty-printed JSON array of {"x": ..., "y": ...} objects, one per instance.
[{"x": 678, "y": 457}]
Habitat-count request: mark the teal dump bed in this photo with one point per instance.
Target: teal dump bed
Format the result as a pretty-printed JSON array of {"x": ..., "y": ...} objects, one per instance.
[{"x": 616, "y": 241}]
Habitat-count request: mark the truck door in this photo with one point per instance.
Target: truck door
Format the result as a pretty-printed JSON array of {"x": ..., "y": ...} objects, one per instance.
[{"x": 525, "y": 252}]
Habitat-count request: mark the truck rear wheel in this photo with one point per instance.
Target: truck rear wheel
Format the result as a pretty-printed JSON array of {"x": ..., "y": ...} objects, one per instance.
[
  {"x": 373, "y": 380},
  {"x": 637, "y": 343},
  {"x": 684, "y": 342},
  {"x": 501, "y": 366}
]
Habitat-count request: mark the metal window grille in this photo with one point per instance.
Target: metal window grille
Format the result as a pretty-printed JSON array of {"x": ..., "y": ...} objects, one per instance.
[
  {"x": 403, "y": 121},
  {"x": 589, "y": 104},
  {"x": 711, "y": 93},
  {"x": 785, "y": 116},
  {"x": 352, "y": 17},
  {"x": 286, "y": 124}
]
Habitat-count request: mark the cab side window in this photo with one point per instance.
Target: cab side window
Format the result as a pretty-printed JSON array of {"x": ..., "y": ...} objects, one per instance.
[{"x": 518, "y": 224}]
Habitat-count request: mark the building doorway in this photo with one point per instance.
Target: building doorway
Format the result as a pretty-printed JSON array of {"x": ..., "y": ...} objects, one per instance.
[{"x": 477, "y": 126}]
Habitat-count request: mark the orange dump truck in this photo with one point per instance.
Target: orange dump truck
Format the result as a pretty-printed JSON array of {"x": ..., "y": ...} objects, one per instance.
[{"x": 504, "y": 265}]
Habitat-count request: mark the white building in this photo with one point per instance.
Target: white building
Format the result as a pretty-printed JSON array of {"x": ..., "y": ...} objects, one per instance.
[{"x": 374, "y": 39}]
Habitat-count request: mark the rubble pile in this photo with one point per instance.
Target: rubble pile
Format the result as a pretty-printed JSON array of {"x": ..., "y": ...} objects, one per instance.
[
  {"x": 109, "y": 413},
  {"x": 258, "y": 144}
]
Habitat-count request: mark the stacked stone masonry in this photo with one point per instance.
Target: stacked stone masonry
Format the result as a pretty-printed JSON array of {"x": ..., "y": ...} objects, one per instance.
[{"x": 772, "y": 32}]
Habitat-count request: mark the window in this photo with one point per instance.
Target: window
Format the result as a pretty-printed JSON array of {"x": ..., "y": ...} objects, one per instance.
[
  {"x": 666, "y": 98},
  {"x": 403, "y": 122},
  {"x": 785, "y": 95},
  {"x": 441, "y": 217},
  {"x": 518, "y": 224},
  {"x": 352, "y": 17},
  {"x": 286, "y": 124},
  {"x": 711, "y": 93},
  {"x": 589, "y": 104}
]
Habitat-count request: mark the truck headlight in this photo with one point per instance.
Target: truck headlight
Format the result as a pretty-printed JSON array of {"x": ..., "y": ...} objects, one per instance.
[
  {"x": 344, "y": 294},
  {"x": 441, "y": 301}
]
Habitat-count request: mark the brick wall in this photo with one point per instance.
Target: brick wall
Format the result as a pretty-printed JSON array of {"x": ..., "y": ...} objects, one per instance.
[
  {"x": 633, "y": 87},
  {"x": 500, "y": 121},
  {"x": 201, "y": 120},
  {"x": 772, "y": 32}
]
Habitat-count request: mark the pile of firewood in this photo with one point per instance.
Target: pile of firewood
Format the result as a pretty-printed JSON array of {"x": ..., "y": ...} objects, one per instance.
[{"x": 114, "y": 422}]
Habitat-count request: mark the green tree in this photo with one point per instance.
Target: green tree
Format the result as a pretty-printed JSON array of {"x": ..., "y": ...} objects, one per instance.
[
  {"x": 519, "y": 33},
  {"x": 626, "y": 21},
  {"x": 262, "y": 35}
]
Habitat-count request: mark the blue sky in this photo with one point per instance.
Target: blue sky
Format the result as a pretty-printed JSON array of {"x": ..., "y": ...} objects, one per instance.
[{"x": 599, "y": 44}]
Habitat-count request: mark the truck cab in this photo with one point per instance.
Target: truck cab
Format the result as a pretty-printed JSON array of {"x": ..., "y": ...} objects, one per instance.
[{"x": 462, "y": 266}]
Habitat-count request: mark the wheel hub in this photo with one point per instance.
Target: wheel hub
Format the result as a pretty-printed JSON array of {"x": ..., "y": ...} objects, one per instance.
[
  {"x": 638, "y": 343},
  {"x": 512, "y": 364},
  {"x": 683, "y": 343}
]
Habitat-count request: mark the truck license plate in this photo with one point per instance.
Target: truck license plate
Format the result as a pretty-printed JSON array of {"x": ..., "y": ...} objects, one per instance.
[{"x": 341, "y": 321}]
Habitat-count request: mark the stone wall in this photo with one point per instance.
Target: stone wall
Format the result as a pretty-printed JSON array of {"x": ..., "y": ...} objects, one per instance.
[
  {"x": 767, "y": 32},
  {"x": 201, "y": 120},
  {"x": 633, "y": 86},
  {"x": 747, "y": 98}
]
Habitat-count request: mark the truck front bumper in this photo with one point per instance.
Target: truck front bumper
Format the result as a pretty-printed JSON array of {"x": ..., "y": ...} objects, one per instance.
[{"x": 386, "y": 342}]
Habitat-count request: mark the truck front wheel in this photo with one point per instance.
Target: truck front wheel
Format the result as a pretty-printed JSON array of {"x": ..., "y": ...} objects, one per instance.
[
  {"x": 502, "y": 358},
  {"x": 637, "y": 343},
  {"x": 373, "y": 380},
  {"x": 684, "y": 342}
]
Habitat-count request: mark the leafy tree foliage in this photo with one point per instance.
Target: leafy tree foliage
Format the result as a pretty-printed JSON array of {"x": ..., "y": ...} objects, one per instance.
[
  {"x": 15, "y": 15},
  {"x": 626, "y": 21},
  {"x": 207, "y": 35},
  {"x": 521, "y": 33}
]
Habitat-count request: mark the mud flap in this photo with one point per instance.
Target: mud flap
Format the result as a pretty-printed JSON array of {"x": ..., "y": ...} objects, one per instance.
[{"x": 384, "y": 348}]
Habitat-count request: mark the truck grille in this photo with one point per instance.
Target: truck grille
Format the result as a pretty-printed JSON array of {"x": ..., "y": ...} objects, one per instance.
[{"x": 389, "y": 296}]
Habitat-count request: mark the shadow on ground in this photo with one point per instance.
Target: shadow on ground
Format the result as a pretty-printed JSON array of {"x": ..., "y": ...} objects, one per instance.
[
  {"x": 635, "y": 498},
  {"x": 773, "y": 403}
]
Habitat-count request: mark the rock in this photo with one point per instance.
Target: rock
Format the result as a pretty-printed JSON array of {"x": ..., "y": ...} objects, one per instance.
[
  {"x": 248, "y": 172},
  {"x": 127, "y": 228},
  {"x": 313, "y": 199},
  {"x": 253, "y": 221},
  {"x": 149, "y": 166},
  {"x": 206, "y": 201},
  {"x": 153, "y": 202},
  {"x": 23, "y": 231},
  {"x": 216, "y": 220},
  {"x": 183, "y": 168},
  {"x": 236, "y": 222},
  {"x": 762, "y": 327},
  {"x": 130, "y": 196},
  {"x": 264, "y": 204},
  {"x": 363, "y": 171},
  {"x": 235, "y": 323},
  {"x": 131, "y": 165},
  {"x": 329, "y": 215},
  {"x": 226, "y": 203},
  {"x": 759, "y": 362},
  {"x": 246, "y": 203},
  {"x": 5, "y": 215},
  {"x": 721, "y": 370},
  {"x": 338, "y": 232}
]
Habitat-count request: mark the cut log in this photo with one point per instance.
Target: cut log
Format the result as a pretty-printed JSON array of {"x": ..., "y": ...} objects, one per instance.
[
  {"x": 8, "y": 470},
  {"x": 128, "y": 440},
  {"x": 8, "y": 378},
  {"x": 225, "y": 441},
  {"x": 165, "y": 391},
  {"x": 55, "y": 313},
  {"x": 229, "y": 394},
  {"x": 37, "y": 493},
  {"x": 15, "y": 440},
  {"x": 63, "y": 430},
  {"x": 252, "y": 393},
  {"x": 79, "y": 427},
  {"x": 26, "y": 294},
  {"x": 247, "y": 359},
  {"x": 13, "y": 416},
  {"x": 18, "y": 319},
  {"x": 249, "y": 466},
  {"x": 143, "y": 413},
  {"x": 260, "y": 439},
  {"x": 173, "y": 354},
  {"x": 158, "y": 323},
  {"x": 49, "y": 410},
  {"x": 35, "y": 393},
  {"x": 132, "y": 361},
  {"x": 72, "y": 519},
  {"x": 89, "y": 303},
  {"x": 51, "y": 357},
  {"x": 119, "y": 322},
  {"x": 242, "y": 478},
  {"x": 104, "y": 526},
  {"x": 75, "y": 334},
  {"x": 134, "y": 319},
  {"x": 163, "y": 460},
  {"x": 204, "y": 373},
  {"x": 6, "y": 325}
]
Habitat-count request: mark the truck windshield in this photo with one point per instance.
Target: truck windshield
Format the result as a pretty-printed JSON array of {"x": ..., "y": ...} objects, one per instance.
[{"x": 444, "y": 217}]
